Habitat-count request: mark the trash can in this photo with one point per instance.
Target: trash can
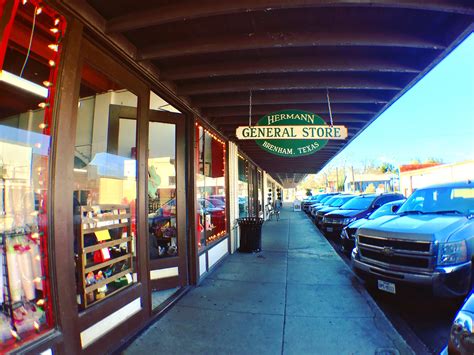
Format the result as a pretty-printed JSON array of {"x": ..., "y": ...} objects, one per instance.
[{"x": 250, "y": 234}]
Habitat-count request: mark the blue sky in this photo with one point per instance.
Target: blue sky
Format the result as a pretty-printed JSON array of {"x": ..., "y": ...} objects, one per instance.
[{"x": 433, "y": 119}]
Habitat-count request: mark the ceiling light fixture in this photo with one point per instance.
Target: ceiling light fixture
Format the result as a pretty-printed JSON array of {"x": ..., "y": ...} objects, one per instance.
[{"x": 24, "y": 84}]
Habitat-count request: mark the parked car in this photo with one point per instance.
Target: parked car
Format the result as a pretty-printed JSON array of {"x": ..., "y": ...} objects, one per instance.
[
  {"x": 428, "y": 243},
  {"x": 323, "y": 202},
  {"x": 314, "y": 199},
  {"x": 334, "y": 205},
  {"x": 348, "y": 233},
  {"x": 311, "y": 200},
  {"x": 357, "y": 208},
  {"x": 461, "y": 337}
]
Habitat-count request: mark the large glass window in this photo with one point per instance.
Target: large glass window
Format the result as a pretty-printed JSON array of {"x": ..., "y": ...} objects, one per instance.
[
  {"x": 162, "y": 190},
  {"x": 28, "y": 73},
  {"x": 243, "y": 187},
  {"x": 260, "y": 193},
  {"x": 105, "y": 187},
  {"x": 211, "y": 189}
]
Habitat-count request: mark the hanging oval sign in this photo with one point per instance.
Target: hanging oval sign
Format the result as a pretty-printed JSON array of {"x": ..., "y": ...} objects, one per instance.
[{"x": 291, "y": 133}]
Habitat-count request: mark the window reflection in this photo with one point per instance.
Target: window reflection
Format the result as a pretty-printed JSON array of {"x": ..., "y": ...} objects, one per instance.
[
  {"x": 163, "y": 236},
  {"x": 243, "y": 187},
  {"x": 211, "y": 218},
  {"x": 105, "y": 187}
]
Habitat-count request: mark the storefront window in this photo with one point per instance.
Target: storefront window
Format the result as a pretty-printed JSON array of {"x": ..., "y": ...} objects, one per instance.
[
  {"x": 243, "y": 187},
  {"x": 210, "y": 184},
  {"x": 260, "y": 193},
  {"x": 105, "y": 187},
  {"x": 162, "y": 202},
  {"x": 29, "y": 54}
]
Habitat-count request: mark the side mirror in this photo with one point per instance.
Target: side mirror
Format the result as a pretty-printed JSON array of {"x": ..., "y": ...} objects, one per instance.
[{"x": 395, "y": 208}]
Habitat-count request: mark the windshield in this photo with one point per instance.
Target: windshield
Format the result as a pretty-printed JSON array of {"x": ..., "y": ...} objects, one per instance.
[
  {"x": 457, "y": 200},
  {"x": 330, "y": 200},
  {"x": 319, "y": 198},
  {"x": 339, "y": 201},
  {"x": 358, "y": 203},
  {"x": 327, "y": 198}
]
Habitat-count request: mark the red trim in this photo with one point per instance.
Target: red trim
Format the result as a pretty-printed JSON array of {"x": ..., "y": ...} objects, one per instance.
[
  {"x": 43, "y": 220},
  {"x": 8, "y": 27}
]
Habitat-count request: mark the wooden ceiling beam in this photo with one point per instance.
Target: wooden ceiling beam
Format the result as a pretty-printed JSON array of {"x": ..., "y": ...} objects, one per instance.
[
  {"x": 243, "y": 84},
  {"x": 243, "y": 111},
  {"x": 191, "y": 10},
  {"x": 262, "y": 40},
  {"x": 288, "y": 98},
  {"x": 311, "y": 64}
]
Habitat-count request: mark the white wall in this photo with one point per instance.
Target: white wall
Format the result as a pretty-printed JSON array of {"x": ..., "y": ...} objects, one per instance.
[{"x": 415, "y": 179}]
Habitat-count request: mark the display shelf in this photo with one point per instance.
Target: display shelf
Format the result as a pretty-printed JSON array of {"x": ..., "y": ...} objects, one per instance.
[
  {"x": 103, "y": 228},
  {"x": 106, "y": 263},
  {"x": 98, "y": 279},
  {"x": 106, "y": 244}
]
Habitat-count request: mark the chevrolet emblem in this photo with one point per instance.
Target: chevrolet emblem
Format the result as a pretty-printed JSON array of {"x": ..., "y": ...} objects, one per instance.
[{"x": 388, "y": 251}]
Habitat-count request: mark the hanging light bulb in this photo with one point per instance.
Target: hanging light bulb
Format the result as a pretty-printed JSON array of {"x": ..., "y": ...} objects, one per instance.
[
  {"x": 15, "y": 335},
  {"x": 42, "y": 125},
  {"x": 47, "y": 83},
  {"x": 56, "y": 21},
  {"x": 39, "y": 10},
  {"x": 54, "y": 30},
  {"x": 53, "y": 47},
  {"x": 51, "y": 63},
  {"x": 24, "y": 2},
  {"x": 40, "y": 302},
  {"x": 43, "y": 105}
]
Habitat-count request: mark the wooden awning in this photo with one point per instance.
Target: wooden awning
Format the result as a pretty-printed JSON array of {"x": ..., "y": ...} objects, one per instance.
[{"x": 289, "y": 53}]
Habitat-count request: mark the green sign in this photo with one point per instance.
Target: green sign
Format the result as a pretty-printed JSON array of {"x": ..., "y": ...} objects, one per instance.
[{"x": 291, "y": 133}]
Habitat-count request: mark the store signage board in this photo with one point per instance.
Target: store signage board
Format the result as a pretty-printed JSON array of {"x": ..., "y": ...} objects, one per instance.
[{"x": 291, "y": 133}]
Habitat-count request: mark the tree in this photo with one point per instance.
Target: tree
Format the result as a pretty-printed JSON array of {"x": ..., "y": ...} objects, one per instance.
[
  {"x": 434, "y": 160},
  {"x": 370, "y": 189},
  {"x": 387, "y": 168}
]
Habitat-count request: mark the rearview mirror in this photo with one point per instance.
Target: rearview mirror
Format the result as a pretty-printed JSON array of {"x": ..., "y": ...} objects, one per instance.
[{"x": 395, "y": 208}]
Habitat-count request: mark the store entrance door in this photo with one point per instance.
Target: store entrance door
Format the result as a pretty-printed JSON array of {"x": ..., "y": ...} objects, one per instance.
[{"x": 166, "y": 205}]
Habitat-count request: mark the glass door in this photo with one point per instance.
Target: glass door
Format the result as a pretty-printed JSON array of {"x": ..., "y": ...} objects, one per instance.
[{"x": 166, "y": 205}]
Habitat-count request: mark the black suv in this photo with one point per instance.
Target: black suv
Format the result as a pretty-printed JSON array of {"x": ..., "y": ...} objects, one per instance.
[{"x": 356, "y": 208}]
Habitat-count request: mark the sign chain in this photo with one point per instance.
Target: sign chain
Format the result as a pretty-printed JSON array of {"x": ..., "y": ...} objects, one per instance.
[
  {"x": 250, "y": 108},
  {"x": 329, "y": 106}
]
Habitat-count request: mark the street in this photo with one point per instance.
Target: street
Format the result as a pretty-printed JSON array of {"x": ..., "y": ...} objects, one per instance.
[{"x": 424, "y": 322}]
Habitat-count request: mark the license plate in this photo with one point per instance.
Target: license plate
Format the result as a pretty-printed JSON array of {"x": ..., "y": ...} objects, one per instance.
[
  {"x": 330, "y": 229},
  {"x": 386, "y": 286}
]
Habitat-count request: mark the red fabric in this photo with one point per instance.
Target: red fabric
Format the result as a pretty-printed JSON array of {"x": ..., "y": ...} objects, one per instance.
[{"x": 217, "y": 159}]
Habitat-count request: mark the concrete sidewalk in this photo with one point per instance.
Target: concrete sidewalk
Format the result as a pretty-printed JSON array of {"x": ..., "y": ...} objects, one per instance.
[{"x": 295, "y": 297}]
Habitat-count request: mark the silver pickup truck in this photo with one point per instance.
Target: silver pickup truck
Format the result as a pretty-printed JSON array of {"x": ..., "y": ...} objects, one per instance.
[{"x": 428, "y": 243}]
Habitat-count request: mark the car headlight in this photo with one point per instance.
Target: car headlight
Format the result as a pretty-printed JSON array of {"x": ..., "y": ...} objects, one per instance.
[
  {"x": 452, "y": 253},
  {"x": 461, "y": 337},
  {"x": 348, "y": 220}
]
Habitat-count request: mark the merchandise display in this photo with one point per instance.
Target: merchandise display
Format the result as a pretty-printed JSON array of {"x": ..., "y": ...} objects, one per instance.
[
  {"x": 21, "y": 273},
  {"x": 104, "y": 258}
]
